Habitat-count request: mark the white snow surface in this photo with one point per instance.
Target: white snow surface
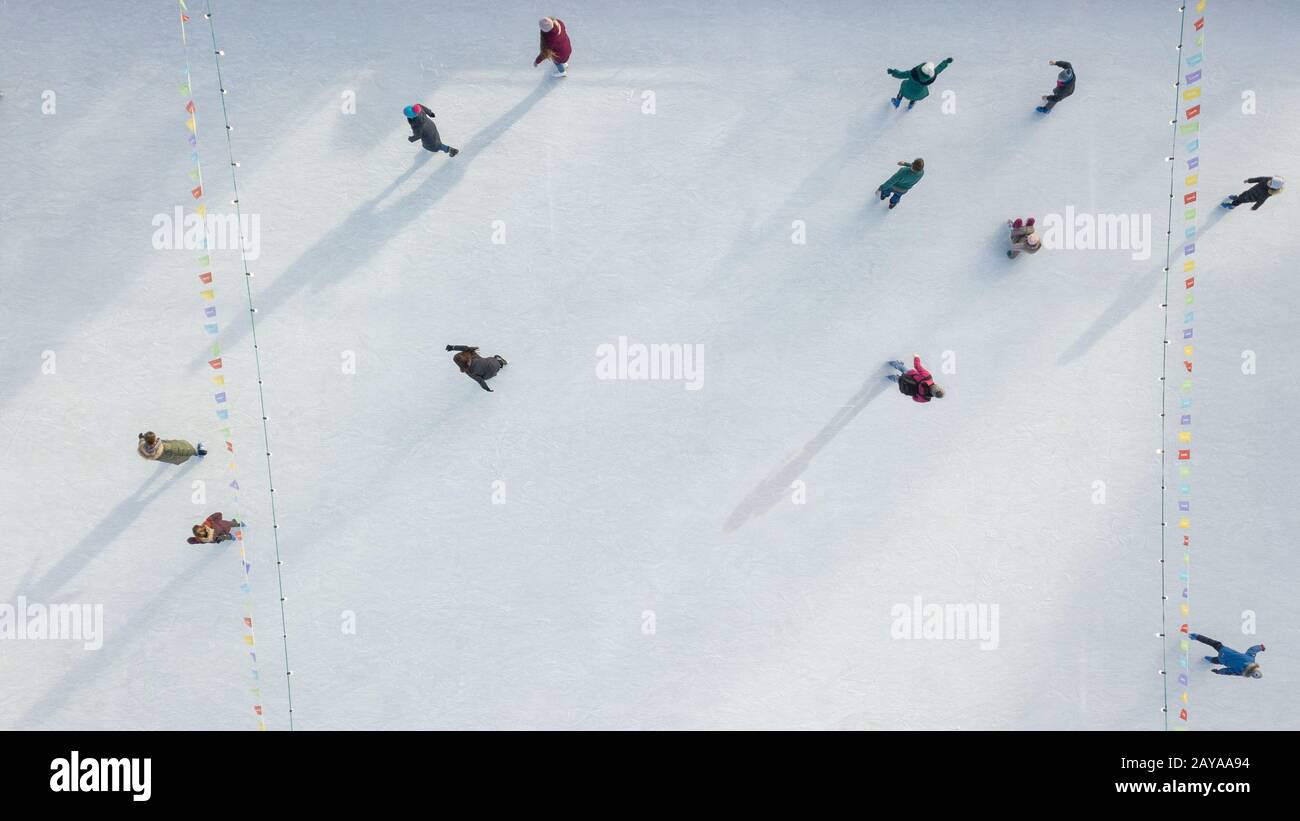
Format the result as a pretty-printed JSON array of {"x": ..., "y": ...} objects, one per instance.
[{"x": 649, "y": 566}]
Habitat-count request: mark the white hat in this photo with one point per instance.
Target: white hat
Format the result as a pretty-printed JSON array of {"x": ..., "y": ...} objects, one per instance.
[
  {"x": 928, "y": 69},
  {"x": 1275, "y": 183},
  {"x": 546, "y": 23}
]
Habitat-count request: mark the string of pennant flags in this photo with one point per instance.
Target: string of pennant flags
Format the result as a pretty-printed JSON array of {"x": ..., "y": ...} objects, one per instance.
[
  {"x": 1187, "y": 124},
  {"x": 220, "y": 398}
]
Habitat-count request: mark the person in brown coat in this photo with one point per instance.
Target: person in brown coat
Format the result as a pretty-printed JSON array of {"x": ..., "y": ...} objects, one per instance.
[
  {"x": 171, "y": 451},
  {"x": 214, "y": 529},
  {"x": 476, "y": 367}
]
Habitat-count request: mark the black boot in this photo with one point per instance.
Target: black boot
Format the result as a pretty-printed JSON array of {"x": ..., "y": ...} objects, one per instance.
[{"x": 451, "y": 152}]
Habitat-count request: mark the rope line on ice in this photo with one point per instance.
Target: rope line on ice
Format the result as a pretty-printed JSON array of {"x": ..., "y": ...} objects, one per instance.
[
  {"x": 1186, "y": 125},
  {"x": 217, "y": 53},
  {"x": 212, "y": 328}
]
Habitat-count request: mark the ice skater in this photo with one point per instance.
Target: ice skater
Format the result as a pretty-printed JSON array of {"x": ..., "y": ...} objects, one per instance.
[
  {"x": 214, "y": 529},
  {"x": 1259, "y": 193},
  {"x": 420, "y": 119},
  {"x": 476, "y": 367},
  {"x": 1064, "y": 86},
  {"x": 1234, "y": 663},
  {"x": 555, "y": 45},
  {"x": 917, "y": 383},
  {"x": 916, "y": 83},
  {"x": 904, "y": 178},
  {"x": 1023, "y": 237},
  {"x": 171, "y": 451}
]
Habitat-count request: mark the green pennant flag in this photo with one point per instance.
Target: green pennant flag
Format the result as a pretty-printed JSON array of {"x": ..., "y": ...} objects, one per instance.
[{"x": 205, "y": 260}]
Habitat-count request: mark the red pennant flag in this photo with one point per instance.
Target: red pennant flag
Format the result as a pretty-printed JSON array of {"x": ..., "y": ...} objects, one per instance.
[
  {"x": 185, "y": 18},
  {"x": 1193, "y": 111},
  {"x": 1182, "y": 629},
  {"x": 257, "y": 708},
  {"x": 1188, "y": 365},
  {"x": 1182, "y": 714},
  {"x": 248, "y": 621},
  {"x": 1189, "y": 198},
  {"x": 197, "y": 191},
  {"x": 1184, "y": 455},
  {"x": 230, "y": 446},
  {"x": 215, "y": 363},
  {"x": 206, "y": 278},
  {"x": 190, "y": 106},
  {"x": 1187, "y": 541},
  {"x": 1199, "y": 24},
  {"x": 1190, "y": 282}
]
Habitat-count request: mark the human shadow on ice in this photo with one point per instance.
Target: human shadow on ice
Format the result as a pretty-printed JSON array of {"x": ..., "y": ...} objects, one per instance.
[
  {"x": 777, "y": 484},
  {"x": 347, "y": 247},
  {"x": 119, "y": 519}
]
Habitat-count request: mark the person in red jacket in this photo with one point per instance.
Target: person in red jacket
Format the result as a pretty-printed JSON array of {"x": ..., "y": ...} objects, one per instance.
[
  {"x": 214, "y": 529},
  {"x": 916, "y": 383},
  {"x": 555, "y": 44}
]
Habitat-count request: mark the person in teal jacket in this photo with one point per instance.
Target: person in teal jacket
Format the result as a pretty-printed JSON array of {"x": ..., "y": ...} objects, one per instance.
[
  {"x": 904, "y": 178},
  {"x": 916, "y": 83},
  {"x": 1235, "y": 663}
]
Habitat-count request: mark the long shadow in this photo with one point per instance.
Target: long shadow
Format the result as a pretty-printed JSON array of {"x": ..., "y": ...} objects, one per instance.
[
  {"x": 118, "y": 519},
  {"x": 1210, "y": 222},
  {"x": 98, "y": 661},
  {"x": 347, "y": 247},
  {"x": 776, "y": 486}
]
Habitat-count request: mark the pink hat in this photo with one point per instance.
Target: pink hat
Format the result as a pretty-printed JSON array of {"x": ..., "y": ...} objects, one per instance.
[{"x": 546, "y": 24}]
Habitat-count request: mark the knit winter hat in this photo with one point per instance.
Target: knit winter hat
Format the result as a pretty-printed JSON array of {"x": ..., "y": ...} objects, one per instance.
[
  {"x": 1030, "y": 222},
  {"x": 546, "y": 24},
  {"x": 1276, "y": 183},
  {"x": 927, "y": 69},
  {"x": 1019, "y": 223},
  {"x": 409, "y": 111},
  {"x": 1065, "y": 76}
]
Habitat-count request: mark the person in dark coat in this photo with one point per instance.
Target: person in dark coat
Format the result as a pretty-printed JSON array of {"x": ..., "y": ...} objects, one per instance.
[
  {"x": 917, "y": 383},
  {"x": 420, "y": 119},
  {"x": 214, "y": 529},
  {"x": 1263, "y": 188},
  {"x": 1064, "y": 86},
  {"x": 478, "y": 368},
  {"x": 1235, "y": 663},
  {"x": 555, "y": 45}
]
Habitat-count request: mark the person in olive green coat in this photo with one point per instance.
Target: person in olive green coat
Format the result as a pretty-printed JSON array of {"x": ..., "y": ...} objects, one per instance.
[
  {"x": 916, "y": 83},
  {"x": 902, "y": 181},
  {"x": 171, "y": 451}
]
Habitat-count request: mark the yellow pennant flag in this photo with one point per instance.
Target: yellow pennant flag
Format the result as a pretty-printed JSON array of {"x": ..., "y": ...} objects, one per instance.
[
  {"x": 202, "y": 211},
  {"x": 1192, "y": 93},
  {"x": 208, "y": 294},
  {"x": 1184, "y": 436},
  {"x": 1192, "y": 180},
  {"x": 218, "y": 380},
  {"x": 190, "y": 124}
]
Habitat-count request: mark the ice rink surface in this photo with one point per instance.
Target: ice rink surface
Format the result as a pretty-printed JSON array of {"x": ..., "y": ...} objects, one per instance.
[{"x": 578, "y": 552}]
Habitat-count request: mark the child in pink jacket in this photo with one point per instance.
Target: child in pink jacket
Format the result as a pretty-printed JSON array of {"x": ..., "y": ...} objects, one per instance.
[{"x": 917, "y": 383}]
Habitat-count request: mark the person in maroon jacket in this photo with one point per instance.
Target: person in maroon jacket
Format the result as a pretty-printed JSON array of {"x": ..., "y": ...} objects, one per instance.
[
  {"x": 214, "y": 529},
  {"x": 555, "y": 44},
  {"x": 916, "y": 383}
]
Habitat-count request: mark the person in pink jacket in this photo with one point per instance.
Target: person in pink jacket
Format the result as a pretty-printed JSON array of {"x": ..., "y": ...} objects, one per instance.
[
  {"x": 555, "y": 44},
  {"x": 917, "y": 383}
]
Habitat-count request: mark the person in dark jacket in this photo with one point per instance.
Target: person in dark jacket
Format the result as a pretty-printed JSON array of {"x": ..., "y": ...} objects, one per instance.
[
  {"x": 420, "y": 119},
  {"x": 1234, "y": 663},
  {"x": 1064, "y": 86},
  {"x": 916, "y": 83},
  {"x": 478, "y": 368},
  {"x": 904, "y": 178},
  {"x": 917, "y": 383},
  {"x": 1263, "y": 188},
  {"x": 214, "y": 529}
]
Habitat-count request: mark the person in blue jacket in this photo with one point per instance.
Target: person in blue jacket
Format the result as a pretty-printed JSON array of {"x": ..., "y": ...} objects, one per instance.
[{"x": 1235, "y": 663}]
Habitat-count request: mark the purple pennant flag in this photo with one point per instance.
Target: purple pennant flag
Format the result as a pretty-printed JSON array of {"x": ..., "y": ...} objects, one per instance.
[
  {"x": 1182, "y": 679},
  {"x": 1186, "y": 419},
  {"x": 253, "y": 656},
  {"x": 1189, "y": 249},
  {"x": 1184, "y": 592},
  {"x": 235, "y": 484},
  {"x": 1184, "y": 506},
  {"x": 193, "y": 140},
  {"x": 220, "y": 397},
  {"x": 210, "y": 311},
  {"x": 1187, "y": 334},
  {"x": 1194, "y": 162},
  {"x": 247, "y": 567},
  {"x": 1194, "y": 76}
]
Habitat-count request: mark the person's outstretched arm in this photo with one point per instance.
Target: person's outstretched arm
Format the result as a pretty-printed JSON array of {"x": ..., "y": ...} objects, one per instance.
[
  {"x": 460, "y": 348},
  {"x": 902, "y": 75}
]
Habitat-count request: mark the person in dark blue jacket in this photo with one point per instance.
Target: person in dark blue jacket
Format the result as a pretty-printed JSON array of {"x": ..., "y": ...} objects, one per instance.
[
  {"x": 420, "y": 119},
  {"x": 1235, "y": 663}
]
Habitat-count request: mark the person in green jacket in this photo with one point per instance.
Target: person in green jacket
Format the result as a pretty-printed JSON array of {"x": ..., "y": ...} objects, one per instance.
[
  {"x": 916, "y": 83},
  {"x": 171, "y": 451},
  {"x": 902, "y": 181}
]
